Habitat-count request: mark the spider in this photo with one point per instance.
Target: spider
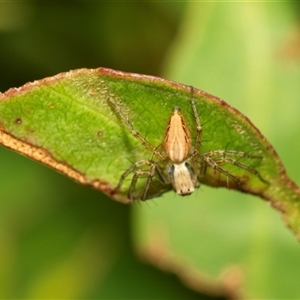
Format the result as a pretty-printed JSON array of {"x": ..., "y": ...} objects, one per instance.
[{"x": 180, "y": 164}]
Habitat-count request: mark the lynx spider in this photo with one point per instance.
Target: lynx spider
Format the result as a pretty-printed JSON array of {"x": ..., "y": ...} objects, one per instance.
[{"x": 180, "y": 164}]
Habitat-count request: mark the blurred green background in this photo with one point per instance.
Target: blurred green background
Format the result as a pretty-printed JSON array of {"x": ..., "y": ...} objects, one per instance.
[{"x": 62, "y": 240}]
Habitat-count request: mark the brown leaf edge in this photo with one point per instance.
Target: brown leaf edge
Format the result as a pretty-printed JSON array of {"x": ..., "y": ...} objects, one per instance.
[{"x": 157, "y": 252}]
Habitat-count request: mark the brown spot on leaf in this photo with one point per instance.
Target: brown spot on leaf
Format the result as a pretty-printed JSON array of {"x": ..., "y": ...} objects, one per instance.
[{"x": 18, "y": 121}]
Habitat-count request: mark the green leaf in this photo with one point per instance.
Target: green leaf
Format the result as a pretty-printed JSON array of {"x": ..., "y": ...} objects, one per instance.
[{"x": 68, "y": 122}]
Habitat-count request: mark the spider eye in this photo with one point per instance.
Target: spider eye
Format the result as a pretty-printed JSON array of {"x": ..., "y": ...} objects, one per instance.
[{"x": 171, "y": 170}]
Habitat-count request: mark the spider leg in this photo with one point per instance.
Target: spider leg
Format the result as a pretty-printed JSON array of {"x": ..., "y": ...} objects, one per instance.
[
  {"x": 216, "y": 158},
  {"x": 141, "y": 173},
  {"x": 133, "y": 131},
  {"x": 135, "y": 177},
  {"x": 197, "y": 120},
  {"x": 226, "y": 152},
  {"x": 214, "y": 164},
  {"x": 242, "y": 166}
]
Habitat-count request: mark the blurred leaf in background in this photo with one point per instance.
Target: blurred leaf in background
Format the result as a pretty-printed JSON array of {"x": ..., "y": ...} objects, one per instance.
[{"x": 62, "y": 240}]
